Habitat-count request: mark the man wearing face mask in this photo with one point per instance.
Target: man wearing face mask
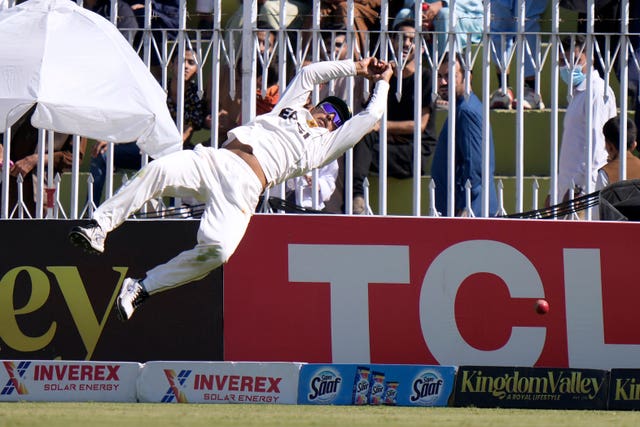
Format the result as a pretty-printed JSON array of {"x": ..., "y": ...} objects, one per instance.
[{"x": 572, "y": 166}]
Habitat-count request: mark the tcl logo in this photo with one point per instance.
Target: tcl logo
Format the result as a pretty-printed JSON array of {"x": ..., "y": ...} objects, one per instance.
[
  {"x": 350, "y": 270},
  {"x": 397, "y": 290}
]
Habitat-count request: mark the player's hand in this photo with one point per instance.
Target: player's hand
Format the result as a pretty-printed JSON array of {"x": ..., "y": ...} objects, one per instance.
[
  {"x": 384, "y": 71},
  {"x": 369, "y": 67},
  {"x": 388, "y": 71},
  {"x": 374, "y": 69}
]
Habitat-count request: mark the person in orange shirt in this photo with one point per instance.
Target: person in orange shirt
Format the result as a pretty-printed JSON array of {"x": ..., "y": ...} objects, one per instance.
[
  {"x": 610, "y": 173},
  {"x": 230, "y": 107}
]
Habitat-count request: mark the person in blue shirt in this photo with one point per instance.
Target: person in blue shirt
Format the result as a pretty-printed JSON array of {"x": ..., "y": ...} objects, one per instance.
[
  {"x": 468, "y": 147},
  {"x": 435, "y": 17}
]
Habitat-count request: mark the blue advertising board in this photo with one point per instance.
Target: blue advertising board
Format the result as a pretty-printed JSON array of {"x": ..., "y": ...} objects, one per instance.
[{"x": 361, "y": 384}]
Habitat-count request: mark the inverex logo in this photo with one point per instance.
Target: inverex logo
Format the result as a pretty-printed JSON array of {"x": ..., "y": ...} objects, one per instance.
[
  {"x": 325, "y": 386},
  {"x": 76, "y": 372},
  {"x": 426, "y": 388},
  {"x": 176, "y": 386},
  {"x": 16, "y": 375}
]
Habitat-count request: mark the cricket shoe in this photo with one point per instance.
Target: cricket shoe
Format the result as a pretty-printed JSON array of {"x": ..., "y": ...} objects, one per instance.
[
  {"x": 132, "y": 295},
  {"x": 89, "y": 237}
]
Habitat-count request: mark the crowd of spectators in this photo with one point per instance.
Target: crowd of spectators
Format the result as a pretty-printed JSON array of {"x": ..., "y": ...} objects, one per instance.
[{"x": 402, "y": 50}]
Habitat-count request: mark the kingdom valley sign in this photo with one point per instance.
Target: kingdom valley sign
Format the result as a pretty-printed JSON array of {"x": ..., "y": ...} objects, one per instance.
[{"x": 433, "y": 291}]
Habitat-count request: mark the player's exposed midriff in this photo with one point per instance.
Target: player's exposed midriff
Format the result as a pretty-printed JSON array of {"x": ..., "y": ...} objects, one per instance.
[{"x": 245, "y": 152}]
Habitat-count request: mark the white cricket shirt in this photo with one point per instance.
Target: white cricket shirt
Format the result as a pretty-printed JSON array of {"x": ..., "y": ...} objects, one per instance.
[{"x": 287, "y": 141}]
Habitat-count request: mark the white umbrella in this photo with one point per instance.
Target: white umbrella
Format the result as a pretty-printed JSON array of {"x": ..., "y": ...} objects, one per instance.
[{"x": 83, "y": 75}]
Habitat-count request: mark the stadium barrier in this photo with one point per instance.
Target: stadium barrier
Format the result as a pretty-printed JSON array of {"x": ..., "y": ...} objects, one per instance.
[
  {"x": 319, "y": 384},
  {"x": 332, "y": 275}
]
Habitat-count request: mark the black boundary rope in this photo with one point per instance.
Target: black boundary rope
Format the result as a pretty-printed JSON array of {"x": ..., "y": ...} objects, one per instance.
[
  {"x": 561, "y": 209},
  {"x": 276, "y": 204},
  {"x": 195, "y": 211}
]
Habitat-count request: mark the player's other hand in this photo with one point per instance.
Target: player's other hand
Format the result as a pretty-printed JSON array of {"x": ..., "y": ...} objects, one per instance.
[{"x": 374, "y": 69}]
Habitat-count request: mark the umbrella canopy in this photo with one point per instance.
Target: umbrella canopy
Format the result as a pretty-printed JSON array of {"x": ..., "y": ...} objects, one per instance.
[{"x": 83, "y": 75}]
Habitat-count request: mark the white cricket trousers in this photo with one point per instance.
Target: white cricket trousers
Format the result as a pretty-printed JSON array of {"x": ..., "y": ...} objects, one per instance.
[{"x": 220, "y": 179}]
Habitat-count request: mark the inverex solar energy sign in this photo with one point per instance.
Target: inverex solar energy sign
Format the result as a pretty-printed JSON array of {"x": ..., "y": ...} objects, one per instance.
[
  {"x": 62, "y": 381},
  {"x": 401, "y": 385},
  {"x": 219, "y": 382}
]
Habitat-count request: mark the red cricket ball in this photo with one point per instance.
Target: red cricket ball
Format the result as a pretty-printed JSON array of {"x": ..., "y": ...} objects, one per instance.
[{"x": 542, "y": 306}]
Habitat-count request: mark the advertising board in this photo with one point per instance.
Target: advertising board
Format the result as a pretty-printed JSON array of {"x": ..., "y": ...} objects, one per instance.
[
  {"x": 533, "y": 388},
  {"x": 392, "y": 385},
  {"x": 219, "y": 382},
  {"x": 73, "y": 381},
  {"x": 448, "y": 291},
  {"x": 56, "y": 302},
  {"x": 624, "y": 389}
]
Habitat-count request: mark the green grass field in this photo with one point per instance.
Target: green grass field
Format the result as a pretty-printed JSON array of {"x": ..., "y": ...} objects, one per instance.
[{"x": 193, "y": 415}]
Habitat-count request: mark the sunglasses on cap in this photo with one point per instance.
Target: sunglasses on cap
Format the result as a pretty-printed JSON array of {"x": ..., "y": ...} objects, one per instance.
[{"x": 330, "y": 109}]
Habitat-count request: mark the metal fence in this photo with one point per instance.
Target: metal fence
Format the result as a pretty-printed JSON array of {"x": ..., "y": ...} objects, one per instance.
[{"x": 234, "y": 59}]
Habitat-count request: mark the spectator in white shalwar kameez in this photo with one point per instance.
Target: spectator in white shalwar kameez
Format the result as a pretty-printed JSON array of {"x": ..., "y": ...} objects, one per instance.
[
  {"x": 601, "y": 100},
  {"x": 285, "y": 143}
]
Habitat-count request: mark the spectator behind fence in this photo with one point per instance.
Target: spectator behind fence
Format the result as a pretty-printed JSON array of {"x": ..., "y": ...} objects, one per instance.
[
  {"x": 610, "y": 173},
  {"x": 127, "y": 155},
  {"x": 230, "y": 104},
  {"x": 126, "y": 21},
  {"x": 504, "y": 22},
  {"x": 435, "y": 17},
  {"x": 606, "y": 26},
  {"x": 24, "y": 157},
  {"x": 366, "y": 19},
  {"x": 164, "y": 15},
  {"x": 468, "y": 147},
  {"x": 233, "y": 26},
  {"x": 400, "y": 123},
  {"x": 297, "y": 13},
  {"x": 299, "y": 190},
  {"x": 572, "y": 168}
]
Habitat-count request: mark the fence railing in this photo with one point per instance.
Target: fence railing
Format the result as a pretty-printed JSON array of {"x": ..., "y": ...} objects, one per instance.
[{"x": 234, "y": 62}]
